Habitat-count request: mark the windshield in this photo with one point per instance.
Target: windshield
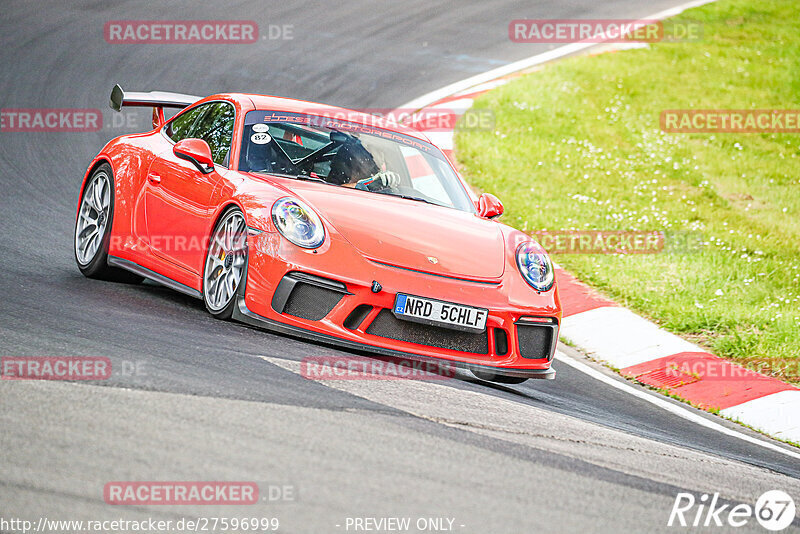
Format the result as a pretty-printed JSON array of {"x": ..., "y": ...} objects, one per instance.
[{"x": 349, "y": 154}]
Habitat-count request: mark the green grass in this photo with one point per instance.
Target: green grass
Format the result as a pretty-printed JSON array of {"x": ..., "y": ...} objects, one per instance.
[{"x": 577, "y": 145}]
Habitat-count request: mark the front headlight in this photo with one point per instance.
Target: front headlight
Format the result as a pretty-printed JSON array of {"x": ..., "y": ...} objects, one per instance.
[
  {"x": 298, "y": 223},
  {"x": 535, "y": 266}
]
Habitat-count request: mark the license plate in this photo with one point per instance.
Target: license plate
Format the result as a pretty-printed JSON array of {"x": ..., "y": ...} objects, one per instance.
[{"x": 440, "y": 313}]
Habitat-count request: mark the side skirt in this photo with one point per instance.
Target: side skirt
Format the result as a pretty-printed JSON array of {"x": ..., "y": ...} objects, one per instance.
[{"x": 128, "y": 265}]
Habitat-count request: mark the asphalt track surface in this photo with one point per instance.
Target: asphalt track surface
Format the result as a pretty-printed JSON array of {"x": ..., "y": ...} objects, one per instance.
[{"x": 221, "y": 401}]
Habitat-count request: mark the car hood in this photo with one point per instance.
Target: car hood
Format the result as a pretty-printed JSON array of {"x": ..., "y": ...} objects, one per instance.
[{"x": 411, "y": 234}]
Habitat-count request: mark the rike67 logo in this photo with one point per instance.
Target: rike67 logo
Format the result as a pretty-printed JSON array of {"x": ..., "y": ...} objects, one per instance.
[{"x": 774, "y": 510}]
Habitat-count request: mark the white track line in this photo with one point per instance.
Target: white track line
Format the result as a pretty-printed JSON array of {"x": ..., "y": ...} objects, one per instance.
[
  {"x": 672, "y": 408},
  {"x": 511, "y": 68}
]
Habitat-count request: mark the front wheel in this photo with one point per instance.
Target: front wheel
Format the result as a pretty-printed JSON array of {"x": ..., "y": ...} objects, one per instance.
[{"x": 225, "y": 263}]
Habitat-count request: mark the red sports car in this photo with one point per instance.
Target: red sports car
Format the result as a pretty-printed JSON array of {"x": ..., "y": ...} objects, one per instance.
[{"x": 319, "y": 222}]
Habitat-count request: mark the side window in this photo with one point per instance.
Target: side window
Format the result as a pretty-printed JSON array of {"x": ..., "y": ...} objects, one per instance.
[
  {"x": 181, "y": 126},
  {"x": 215, "y": 127}
]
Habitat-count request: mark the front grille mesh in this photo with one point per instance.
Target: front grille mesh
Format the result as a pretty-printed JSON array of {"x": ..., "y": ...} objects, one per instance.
[
  {"x": 311, "y": 302},
  {"x": 387, "y": 325},
  {"x": 534, "y": 341}
]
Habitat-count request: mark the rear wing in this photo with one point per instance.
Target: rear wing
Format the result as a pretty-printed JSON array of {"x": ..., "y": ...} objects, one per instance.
[{"x": 158, "y": 100}]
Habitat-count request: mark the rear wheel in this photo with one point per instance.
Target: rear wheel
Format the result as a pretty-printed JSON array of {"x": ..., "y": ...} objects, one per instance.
[
  {"x": 225, "y": 262},
  {"x": 491, "y": 376},
  {"x": 93, "y": 229}
]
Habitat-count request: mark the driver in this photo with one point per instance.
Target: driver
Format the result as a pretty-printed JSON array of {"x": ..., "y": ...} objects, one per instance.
[{"x": 354, "y": 166}]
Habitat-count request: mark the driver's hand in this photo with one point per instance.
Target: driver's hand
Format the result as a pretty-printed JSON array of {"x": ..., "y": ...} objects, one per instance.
[{"x": 378, "y": 181}]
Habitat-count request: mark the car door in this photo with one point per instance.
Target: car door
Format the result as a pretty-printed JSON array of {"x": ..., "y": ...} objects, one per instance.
[{"x": 178, "y": 195}]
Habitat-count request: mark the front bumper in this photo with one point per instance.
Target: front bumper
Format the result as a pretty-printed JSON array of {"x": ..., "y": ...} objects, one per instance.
[
  {"x": 519, "y": 341},
  {"x": 242, "y": 314}
]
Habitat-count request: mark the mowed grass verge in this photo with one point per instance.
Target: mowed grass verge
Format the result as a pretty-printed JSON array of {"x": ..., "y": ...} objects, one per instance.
[{"x": 578, "y": 146}]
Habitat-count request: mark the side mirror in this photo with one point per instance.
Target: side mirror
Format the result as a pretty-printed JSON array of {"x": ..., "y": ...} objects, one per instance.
[
  {"x": 489, "y": 206},
  {"x": 197, "y": 152}
]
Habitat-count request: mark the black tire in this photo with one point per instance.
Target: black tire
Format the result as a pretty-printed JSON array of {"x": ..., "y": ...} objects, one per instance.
[
  {"x": 216, "y": 270},
  {"x": 95, "y": 265},
  {"x": 491, "y": 376}
]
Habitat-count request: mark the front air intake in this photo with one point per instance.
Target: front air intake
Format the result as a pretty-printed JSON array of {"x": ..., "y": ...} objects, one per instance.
[
  {"x": 307, "y": 296},
  {"x": 500, "y": 342},
  {"x": 357, "y": 316},
  {"x": 537, "y": 340}
]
